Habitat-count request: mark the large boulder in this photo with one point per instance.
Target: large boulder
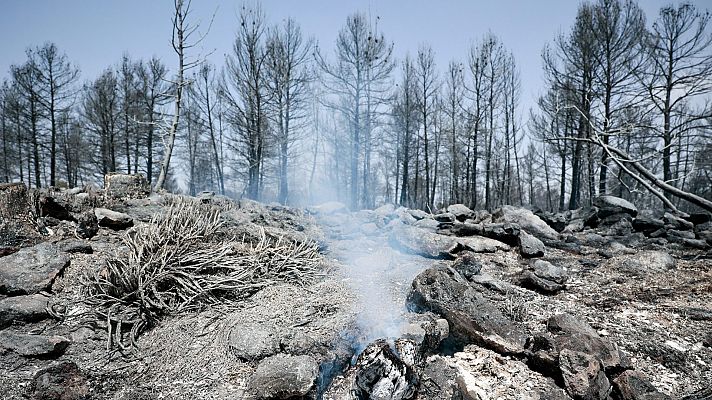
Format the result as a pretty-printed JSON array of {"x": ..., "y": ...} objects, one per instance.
[
  {"x": 126, "y": 186},
  {"x": 31, "y": 308},
  {"x": 610, "y": 205},
  {"x": 472, "y": 318},
  {"x": 284, "y": 377},
  {"x": 526, "y": 220},
  {"x": 33, "y": 345},
  {"x": 647, "y": 224},
  {"x": 32, "y": 269},
  {"x": 113, "y": 219}
]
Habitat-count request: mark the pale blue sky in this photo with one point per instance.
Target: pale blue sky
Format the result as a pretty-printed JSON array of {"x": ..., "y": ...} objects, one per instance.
[{"x": 95, "y": 33}]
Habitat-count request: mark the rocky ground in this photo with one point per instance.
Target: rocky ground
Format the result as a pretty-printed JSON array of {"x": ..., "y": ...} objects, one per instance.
[{"x": 606, "y": 302}]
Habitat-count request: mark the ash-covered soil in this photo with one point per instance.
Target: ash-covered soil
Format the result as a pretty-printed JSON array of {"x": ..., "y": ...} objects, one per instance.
[{"x": 645, "y": 297}]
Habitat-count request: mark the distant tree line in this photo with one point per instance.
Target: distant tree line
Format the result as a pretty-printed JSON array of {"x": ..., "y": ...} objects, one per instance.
[{"x": 284, "y": 120}]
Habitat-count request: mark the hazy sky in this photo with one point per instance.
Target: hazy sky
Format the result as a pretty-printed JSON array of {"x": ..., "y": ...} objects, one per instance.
[{"x": 95, "y": 33}]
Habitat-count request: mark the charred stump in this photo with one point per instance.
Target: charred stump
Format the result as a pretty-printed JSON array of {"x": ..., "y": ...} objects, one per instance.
[{"x": 382, "y": 374}]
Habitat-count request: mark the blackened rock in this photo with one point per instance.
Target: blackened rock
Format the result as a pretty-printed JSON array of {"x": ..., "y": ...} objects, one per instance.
[
  {"x": 642, "y": 263},
  {"x": 33, "y": 345},
  {"x": 647, "y": 225},
  {"x": 13, "y": 201},
  {"x": 31, "y": 308},
  {"x": 60, "y": 381},
  {"x": 609, "y": 205},
  {"x": 632, "y": 385},
  {"x": 467, "y": 265},
  {"x": 472, "y": 317},
  {"x": 699, "y": 218},
  {"x": 32, "y": 269},
  {"x": 87, "y": 225},
  {"x": 284, "y": 377},
  {"x": 529, "y": 246},
  {"x": 76, "y": 246},
  {"x": 558, "y": 221},
  {"x": 583, "y": 375}
]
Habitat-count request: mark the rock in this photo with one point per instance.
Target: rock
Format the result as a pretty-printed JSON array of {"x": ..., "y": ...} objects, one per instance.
[
  {"x": 504, "y": 232},
  {"x": 76, "y": 246},
  {"x": 444, "y": 217},
  {"x": 568, "y": 324},
  {"x": 549, "y": 271},
  {"x": 382, "y": 375},
  {"x": 583, "y": 376},
  {"x": 284, "y": 377},
  {"x": 526, "y": 220},
  {"x": 461, "y": 212},
  {"x": 469, "y": 386},
  {"x": 253, "y": 341},
  {"x": 33, "y": 345},
  {"x": 472, "y": 318},
  {"x": 329, "y": 208},
  {"x": 113, "y": 219},
  {"x": 419, "y": 214},
  {"x": 706, "y": 236},
  {"x": 467, "y": 265},
  {"x": 125, "y": 186},
  {"x": 609, "y": 205},
  {"x": 647, "y": 225},
  {"x": 529, "y": 246},
  {"x": 438, "y": 380},
  {"x": 531, "y": 281},
  {"x": 479, "y": 244},
  {"x": 558, "y": 221},
  {"x": 87, "y": 225},
  {"x": 32, "y": 269},
  {"x": 30, "y": 308},
  {"x": 13, "y": 201},
  {"x": 699, "y": 218},
  {"x": 409, "y": 239},
  {"x": 674, "y": 222},
  {"x": 632, "y": 385},
  {"x": 60, "y": 381},
  {"x": 426, "y": 331},
  {"x": 569, "y": 333},
  {"x": 428, "y": 224},
  {"x": 643, "y": 262}
]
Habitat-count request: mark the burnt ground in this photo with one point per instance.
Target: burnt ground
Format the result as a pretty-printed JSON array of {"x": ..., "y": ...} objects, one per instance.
[{"x": 656, "y": 317}]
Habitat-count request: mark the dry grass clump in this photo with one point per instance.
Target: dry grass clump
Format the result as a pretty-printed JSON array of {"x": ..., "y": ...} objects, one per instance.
[{"x": 180, "y": 261}]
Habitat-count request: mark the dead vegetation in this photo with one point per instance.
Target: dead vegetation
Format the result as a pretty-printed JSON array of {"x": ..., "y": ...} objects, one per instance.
[{"x": 182, "y": 260}]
